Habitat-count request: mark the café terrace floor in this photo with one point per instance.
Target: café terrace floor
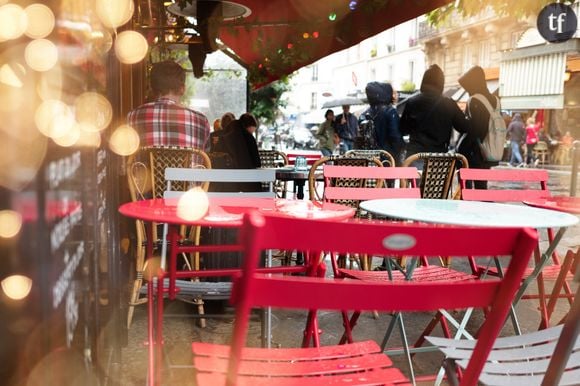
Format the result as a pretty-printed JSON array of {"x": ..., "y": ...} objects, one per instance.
[{"x": 181, "y": 329}]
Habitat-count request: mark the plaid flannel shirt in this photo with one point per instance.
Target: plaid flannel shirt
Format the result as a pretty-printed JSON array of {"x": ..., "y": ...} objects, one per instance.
[{"x": 166, "y": 123}]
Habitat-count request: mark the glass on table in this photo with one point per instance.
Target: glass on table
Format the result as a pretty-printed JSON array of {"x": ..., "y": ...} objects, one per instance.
[{"x": 300, "y": 163}]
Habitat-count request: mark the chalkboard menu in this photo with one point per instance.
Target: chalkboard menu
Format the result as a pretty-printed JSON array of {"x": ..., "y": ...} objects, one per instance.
[{"x": 66, "y": 248}]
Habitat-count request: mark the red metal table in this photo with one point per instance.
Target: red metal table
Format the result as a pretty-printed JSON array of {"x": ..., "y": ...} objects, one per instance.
[
  {"x": 226, "y": 212},
  {"x": 560, "y": 203}
]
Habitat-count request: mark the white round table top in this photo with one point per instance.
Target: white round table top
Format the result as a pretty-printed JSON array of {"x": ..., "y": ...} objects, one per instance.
[{"x": 470, "y": 213}]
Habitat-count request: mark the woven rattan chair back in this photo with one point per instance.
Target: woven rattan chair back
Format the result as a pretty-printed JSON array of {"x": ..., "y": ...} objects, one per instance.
[
  {"x": 161, "y": 158},
  {"x": 139, "y": 183},
  {"x": 439, "y": 170},
  {"x": 341, "y": 182},
  {"x": 384, "y": 156},
  {"x": 274, "y": 159}
]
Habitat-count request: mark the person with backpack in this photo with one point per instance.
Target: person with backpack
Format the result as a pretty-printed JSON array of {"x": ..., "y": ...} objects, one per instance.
[
  {"x": 429, "y": 117},
  {"x": 483, "y": 144},
  {"x": 385, "y": 120}
]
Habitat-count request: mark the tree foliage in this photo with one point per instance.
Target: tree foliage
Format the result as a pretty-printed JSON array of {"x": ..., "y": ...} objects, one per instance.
[
  {"x": 265, "y": 102},
  {"x": 467, "y": 8}
]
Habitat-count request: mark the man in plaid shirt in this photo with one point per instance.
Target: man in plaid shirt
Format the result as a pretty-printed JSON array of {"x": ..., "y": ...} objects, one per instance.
[{"x": 164, "y": 122}]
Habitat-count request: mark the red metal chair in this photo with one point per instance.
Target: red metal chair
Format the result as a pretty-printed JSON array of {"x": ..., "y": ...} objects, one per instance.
[
  {"x": 360, "y": 363},
  {"x": 357, "y": 190},
  {"x": 526, "y": 185}
]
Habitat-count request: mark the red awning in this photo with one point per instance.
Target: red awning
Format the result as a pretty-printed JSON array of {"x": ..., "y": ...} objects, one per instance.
[{"x": 281, "y": 36}]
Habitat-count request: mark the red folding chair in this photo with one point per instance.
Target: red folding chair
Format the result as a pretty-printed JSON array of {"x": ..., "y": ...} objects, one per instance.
[
  {"x": 526, "y": 185},
  {"x": 387, "y": 182},
  {"x": 360, "y": 363}
]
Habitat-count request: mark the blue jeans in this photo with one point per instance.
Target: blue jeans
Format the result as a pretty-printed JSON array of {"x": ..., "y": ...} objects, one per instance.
[
  {"x": 348, "y": 144},
  {"x": 516, "y": 155},
  {"x": 326, "y": 152}
]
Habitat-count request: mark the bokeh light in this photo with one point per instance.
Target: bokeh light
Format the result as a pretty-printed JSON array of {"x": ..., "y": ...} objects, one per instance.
[
  {"x": 49, "y": 86},
  {"x": 193, "y": 205},
  {"x": 17, "y": 287},
  {"x": 70, "y": 137},
  {"x": 352, "y": 5},
  {"x": 41, "y": 55},
  {"x": 93, "y": 110},
  {"x": 88, "y": 138},
  {"x": 40, "y": 21},
  {"x": 114, "y": 13},
  {"x": 54, "y": 118},
  {"x": 11, "y": 74},
  {"x": 124, "y": 140},
  {"x": 10, "y": 223},
  {"x": 131, "y": 47},
  {"x": 332, "y": 16},
  {"x": 13, "y": 22}
]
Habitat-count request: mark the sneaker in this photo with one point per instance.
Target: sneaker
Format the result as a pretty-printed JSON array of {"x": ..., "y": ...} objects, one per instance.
[
  {"x": 521, "y": 165},
  {"x": 536, "y": 162}
]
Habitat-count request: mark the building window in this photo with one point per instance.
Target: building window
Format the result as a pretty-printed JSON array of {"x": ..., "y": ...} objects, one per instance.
[
  {"x": 467, "y": 57},
  {"x": 390, "y": 72},
  {"x": 412, "y": 71},
  {"x": 485, "y": 53},
  {"x": 313, "y": 101},
  {"x": 314, "y": 72},
  {"x": 373, "y": 73}
]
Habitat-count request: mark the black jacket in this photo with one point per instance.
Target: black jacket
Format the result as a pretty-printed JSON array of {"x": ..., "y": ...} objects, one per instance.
[
  {"x": 243, "y": 150},
  {"x": 473, "y": 81},
  {"x": 429, "y": 119}
]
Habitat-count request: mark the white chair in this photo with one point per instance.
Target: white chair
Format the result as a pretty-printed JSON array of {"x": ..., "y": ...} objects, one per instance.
[{"x": 221, "y": 176}]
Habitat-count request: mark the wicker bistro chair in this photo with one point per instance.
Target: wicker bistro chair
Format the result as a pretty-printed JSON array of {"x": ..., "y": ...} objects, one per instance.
[
  {"x": 439, "y": 170},
  {"x": 385, "y": 157},
  {"x": 139, "y": 182},
  {"x": 547, "y": 357},
  {"x": 360, "y": 363},
  {"x": 149, "y": 180},
  {"x": 526, "y": 185},
  {"x": 161, "y": 158},
  {"x": 351, "y": 182},
  {"x": 275, "y": 159}
]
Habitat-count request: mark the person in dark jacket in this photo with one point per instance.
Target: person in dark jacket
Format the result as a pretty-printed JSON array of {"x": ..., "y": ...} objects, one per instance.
[
  {"x": 385, "y": 118},
  {"x": 473, "y": 81},
  {"x": 429, "y": 117},
  {"x": 239, "y": 142},
  {"x": 516, "y": 132}
]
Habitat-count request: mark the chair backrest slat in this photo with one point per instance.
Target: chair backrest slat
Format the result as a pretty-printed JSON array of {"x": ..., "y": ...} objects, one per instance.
[
  {"x": 384, "y": 188},
  {"x": 532, "y": 184},
  {"x": 223, "y": 176},
  {"x": 260, "y": 233}
]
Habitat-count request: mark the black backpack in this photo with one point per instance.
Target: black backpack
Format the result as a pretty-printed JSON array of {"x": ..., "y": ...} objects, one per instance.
[{"x": 367, "y": 135}]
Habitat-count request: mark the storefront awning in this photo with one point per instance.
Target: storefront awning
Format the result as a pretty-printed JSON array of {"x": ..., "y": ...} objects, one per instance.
[
  {"x": 533, "y": 77},
  {"x": 281, "y": 36}
]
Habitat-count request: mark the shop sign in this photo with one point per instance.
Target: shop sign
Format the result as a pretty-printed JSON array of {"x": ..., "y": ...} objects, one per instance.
[{"x": 557, "y": 22}]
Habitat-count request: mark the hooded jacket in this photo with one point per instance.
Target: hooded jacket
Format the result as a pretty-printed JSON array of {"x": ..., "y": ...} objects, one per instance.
[
  {"x": 516, "y": 130},
  {"x": 429, "y": 117},
  {"x": 473, "y": 81},
  {"x": 385, "y": 120}
]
